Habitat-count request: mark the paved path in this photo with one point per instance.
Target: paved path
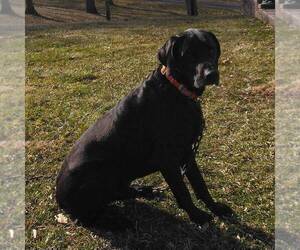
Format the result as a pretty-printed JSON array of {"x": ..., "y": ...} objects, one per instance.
[{"x": 291, "y": 16}]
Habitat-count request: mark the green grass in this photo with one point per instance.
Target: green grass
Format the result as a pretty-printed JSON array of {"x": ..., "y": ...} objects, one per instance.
[{"x": 75, "y": 75}]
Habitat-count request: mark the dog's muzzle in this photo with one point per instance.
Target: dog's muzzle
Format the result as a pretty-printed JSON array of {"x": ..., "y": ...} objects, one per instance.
[{"x": 206, "y": 74}]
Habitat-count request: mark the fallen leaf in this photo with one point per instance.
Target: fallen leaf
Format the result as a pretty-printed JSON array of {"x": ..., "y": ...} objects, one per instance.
[
  {"x": 61, "y": 219},
  {"x": 34, "y": 232},
  {"x": 11, "y": 233}
]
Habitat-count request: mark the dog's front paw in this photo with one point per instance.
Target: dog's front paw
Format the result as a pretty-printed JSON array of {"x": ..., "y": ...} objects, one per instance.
[
  {"x": 221, "y": 210},
  {"x": 200, "y": 217}
]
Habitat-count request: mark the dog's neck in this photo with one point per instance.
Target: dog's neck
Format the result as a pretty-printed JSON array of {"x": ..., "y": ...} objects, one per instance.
[{"x": 180, "y": 87}]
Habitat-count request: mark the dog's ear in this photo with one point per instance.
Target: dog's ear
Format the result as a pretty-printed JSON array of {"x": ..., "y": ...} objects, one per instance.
[
  {"x": 172, "y": 49},
  {"x": 164, "y": 51}
]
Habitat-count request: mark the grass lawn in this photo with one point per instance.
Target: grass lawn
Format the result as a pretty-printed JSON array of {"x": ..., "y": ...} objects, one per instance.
[
  {"x": 59, "y": 12},
  {"x": 75, "y": 74}
]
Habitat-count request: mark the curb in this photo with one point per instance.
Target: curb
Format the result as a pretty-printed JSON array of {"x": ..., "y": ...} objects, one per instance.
[{"x": 250, "y": 8}]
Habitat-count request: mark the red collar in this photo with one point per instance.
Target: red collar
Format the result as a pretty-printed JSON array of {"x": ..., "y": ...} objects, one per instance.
[{"x": 183, "y": 90}]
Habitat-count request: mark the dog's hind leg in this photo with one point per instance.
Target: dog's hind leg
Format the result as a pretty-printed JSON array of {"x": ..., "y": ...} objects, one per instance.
[{"x": 85, "y": 192}]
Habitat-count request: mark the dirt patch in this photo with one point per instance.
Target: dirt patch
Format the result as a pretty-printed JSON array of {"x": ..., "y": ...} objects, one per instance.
[{"x": 265, "y": 90}]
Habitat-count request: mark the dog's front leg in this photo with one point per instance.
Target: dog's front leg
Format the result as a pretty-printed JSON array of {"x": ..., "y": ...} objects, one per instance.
[
  {"x": 199, "y": 186},
  {"x": 175, "y": 181}
]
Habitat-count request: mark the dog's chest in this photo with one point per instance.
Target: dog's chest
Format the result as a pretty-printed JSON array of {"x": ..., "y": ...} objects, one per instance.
[
  {"x": 183, "y": 122},
  {"x": 175, "y": 129}
]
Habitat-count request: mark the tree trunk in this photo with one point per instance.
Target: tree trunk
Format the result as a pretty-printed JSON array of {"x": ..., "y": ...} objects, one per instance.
[
  {"x": 91, "y": 7},
  {"x": 192, "y": 8},
  {"x": 30, "y": 10},
  {"x": 6, "y": 8},
  {"x": 107, "y": 9}
]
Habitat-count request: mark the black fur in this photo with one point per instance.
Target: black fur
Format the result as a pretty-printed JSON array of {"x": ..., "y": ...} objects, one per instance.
[{"x": 151, "y": 129}]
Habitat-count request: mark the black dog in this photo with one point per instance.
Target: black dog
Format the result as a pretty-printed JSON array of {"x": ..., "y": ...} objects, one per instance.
[{"x": 154, "y": 128}]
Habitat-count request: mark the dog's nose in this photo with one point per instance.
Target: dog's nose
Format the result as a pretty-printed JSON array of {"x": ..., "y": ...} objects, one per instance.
[{"x": 211, "y": 76}]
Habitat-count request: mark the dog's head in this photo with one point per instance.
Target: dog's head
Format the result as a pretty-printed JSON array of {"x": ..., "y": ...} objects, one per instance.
[{"x": 192, "y": 58}]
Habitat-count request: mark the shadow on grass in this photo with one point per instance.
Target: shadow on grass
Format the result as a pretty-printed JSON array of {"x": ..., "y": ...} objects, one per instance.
[
  {"x": 137, "y": 225},
  {"x": 49, "y": 18},
  {"x": 61, "y": 15},
  {"x": 148, "y": 10}
]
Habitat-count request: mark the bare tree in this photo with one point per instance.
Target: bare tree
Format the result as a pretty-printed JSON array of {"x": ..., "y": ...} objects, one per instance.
[
  {"x": 192, "y": 8},
  {"x": 30, "y": 10},
  {"x": 91, "y": 7},
  {"x": 6, "y": 8},
  {"x": 111, "y": 2},
  {"x": 107, "y": 9}
]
